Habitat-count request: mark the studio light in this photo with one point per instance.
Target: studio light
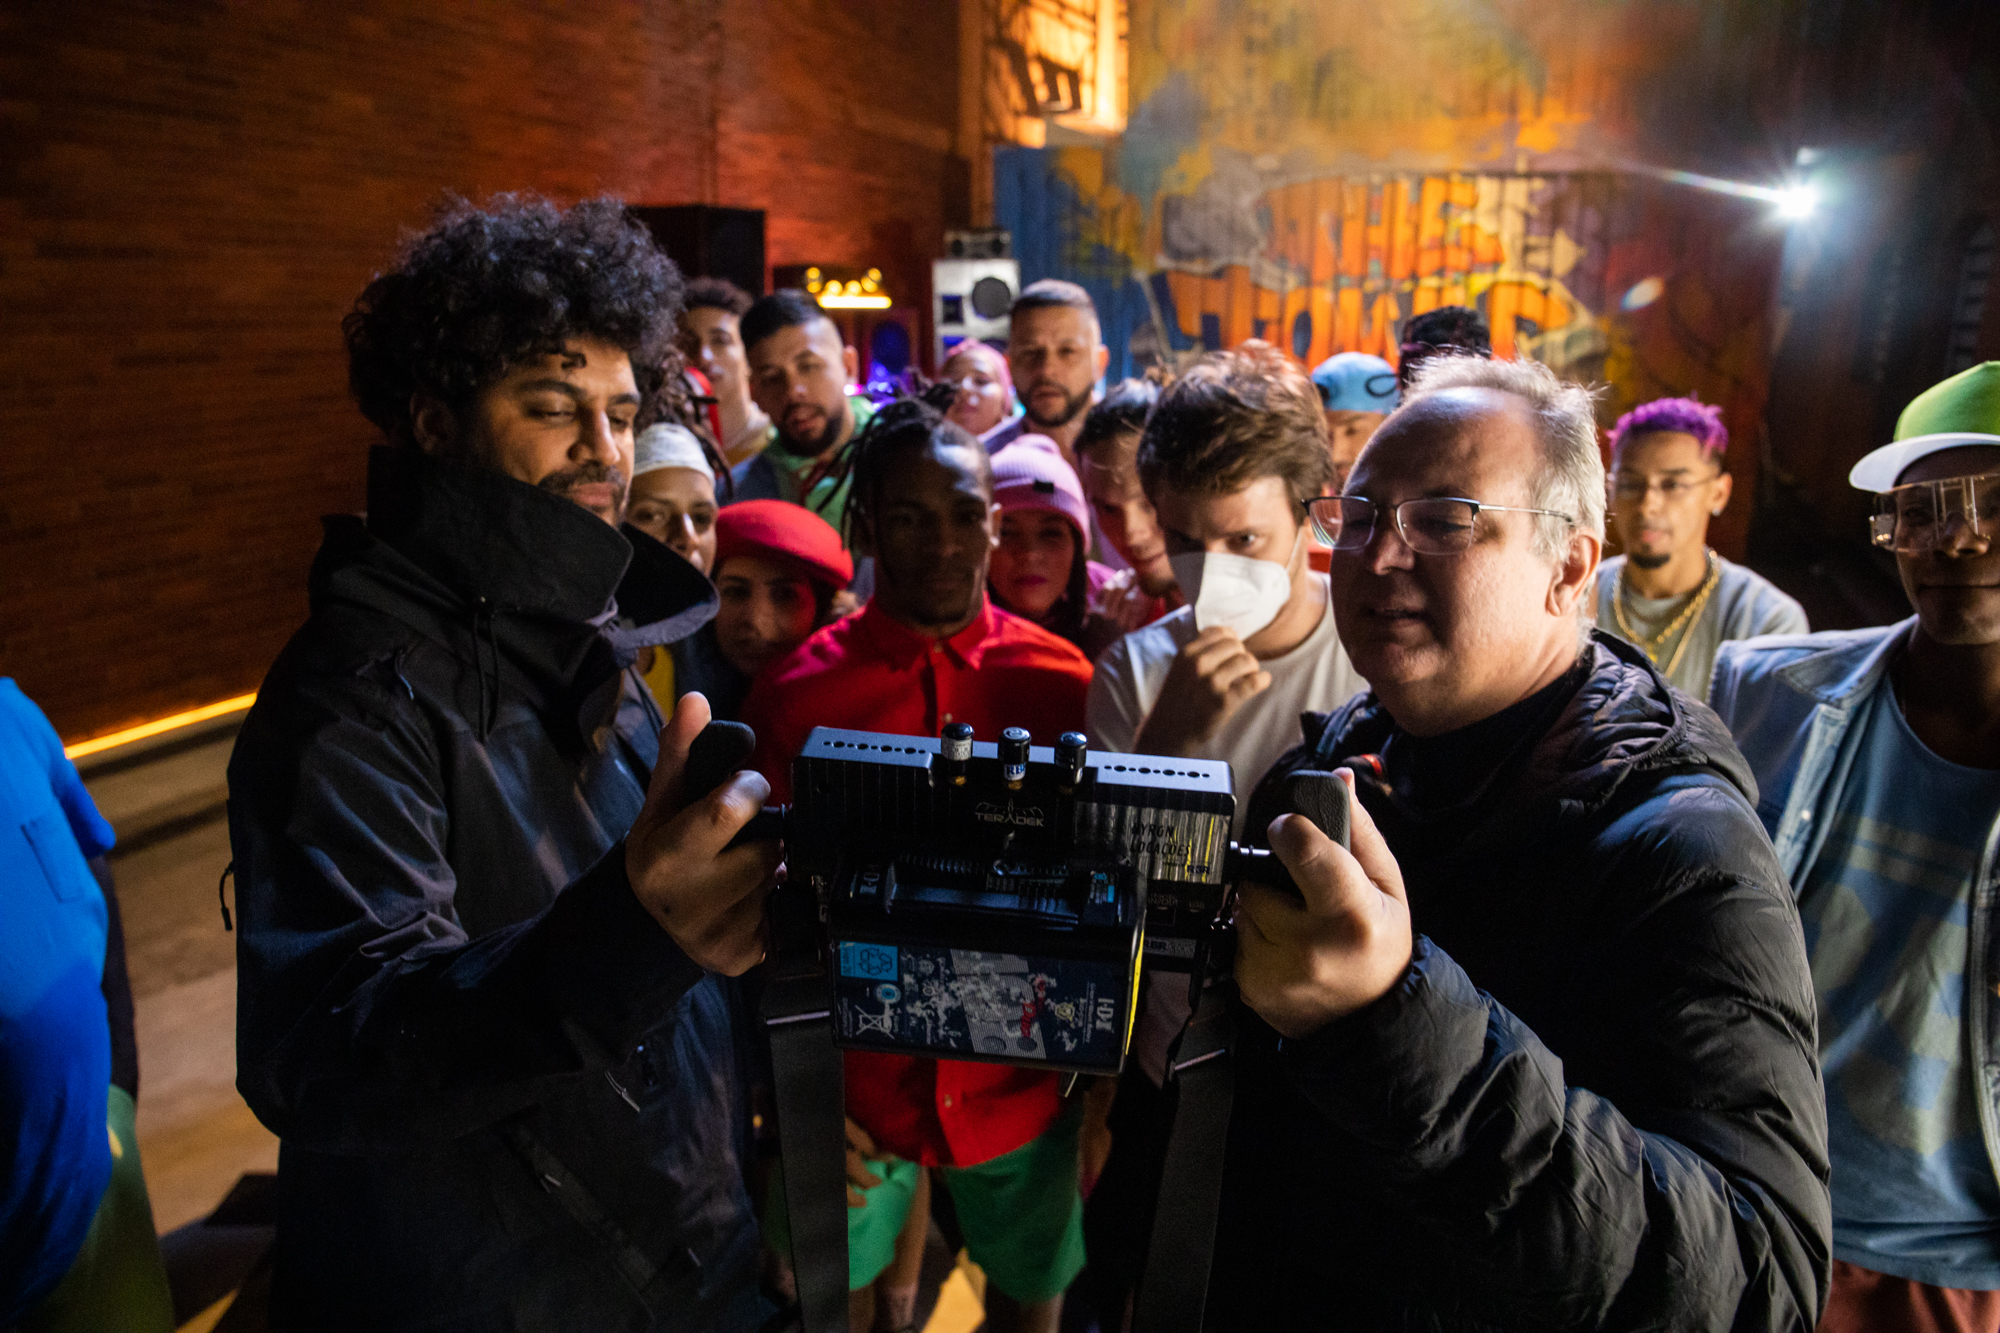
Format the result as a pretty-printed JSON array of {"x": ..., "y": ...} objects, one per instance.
[
  {"x": 1796, "y": 202},
  {"x": 1793, "y": 201}
]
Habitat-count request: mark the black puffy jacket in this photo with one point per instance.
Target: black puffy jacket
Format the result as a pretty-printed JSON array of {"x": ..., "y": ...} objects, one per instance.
[
  {"x": 1593, "y": 1101},
  {"x": 506, "y": 1099}
]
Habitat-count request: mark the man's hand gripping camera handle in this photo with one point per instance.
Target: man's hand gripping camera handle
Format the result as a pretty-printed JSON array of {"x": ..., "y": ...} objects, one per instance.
[
  {"x": 685, "y": 855},
  {"x": 1342, "y": 938}
]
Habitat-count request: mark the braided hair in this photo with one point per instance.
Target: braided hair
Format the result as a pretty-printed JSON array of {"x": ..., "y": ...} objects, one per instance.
[{"x": 907, "y": 423}]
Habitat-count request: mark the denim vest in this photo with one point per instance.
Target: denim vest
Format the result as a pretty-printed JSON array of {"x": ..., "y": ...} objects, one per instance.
[{"x": 1790, "y": 701}]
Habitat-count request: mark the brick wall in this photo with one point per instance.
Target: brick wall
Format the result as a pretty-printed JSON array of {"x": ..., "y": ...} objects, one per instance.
[{"x": 191, "y": 195}]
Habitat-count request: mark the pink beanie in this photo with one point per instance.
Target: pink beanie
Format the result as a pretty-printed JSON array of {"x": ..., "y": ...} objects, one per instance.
[{"x": 1030, "y": 474}]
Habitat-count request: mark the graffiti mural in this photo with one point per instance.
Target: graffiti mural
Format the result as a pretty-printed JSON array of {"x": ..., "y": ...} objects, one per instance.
[
  {"x": 1343, "y": 262},
  {"x": 1315, "y": 172}
]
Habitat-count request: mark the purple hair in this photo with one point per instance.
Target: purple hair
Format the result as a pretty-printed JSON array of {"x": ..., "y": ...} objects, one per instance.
[{"x": 1688, "y": 416}]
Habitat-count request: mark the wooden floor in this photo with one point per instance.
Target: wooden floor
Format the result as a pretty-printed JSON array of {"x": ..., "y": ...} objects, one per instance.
[{"x": 196, "y": 1137}]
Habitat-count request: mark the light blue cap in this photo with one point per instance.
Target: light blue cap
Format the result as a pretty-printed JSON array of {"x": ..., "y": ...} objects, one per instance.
[{"x": 1356, "y": 382}]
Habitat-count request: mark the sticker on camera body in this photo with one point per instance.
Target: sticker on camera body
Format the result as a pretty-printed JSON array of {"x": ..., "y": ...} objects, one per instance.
[
  {"x": 962, "y": 1002},
  {"x": 869, "y": 962}
]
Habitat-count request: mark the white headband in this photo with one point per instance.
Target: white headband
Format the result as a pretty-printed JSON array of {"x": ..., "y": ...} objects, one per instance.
[{"x": 670, "y": 445}]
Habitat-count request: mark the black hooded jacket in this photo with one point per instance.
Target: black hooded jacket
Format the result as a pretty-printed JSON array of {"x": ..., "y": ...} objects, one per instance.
[
  {"x": 506, "y": 1099},
  {"x": 1593, "y": 1101}
]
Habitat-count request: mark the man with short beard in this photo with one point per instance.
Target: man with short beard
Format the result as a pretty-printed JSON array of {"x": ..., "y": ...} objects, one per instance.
[
  {"x": 1056, "y": 350},
  {"x": 485, "y": 931},
  {"x": 1877, "y": 754},
  {"x": 799, "y": 373},
  {"x": 1670, "y": 594}
]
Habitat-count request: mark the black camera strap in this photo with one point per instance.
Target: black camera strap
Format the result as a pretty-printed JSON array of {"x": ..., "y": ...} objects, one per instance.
[
  {"x": 1201, "y": 1074},
  {"x": 810, "y": 1095}
]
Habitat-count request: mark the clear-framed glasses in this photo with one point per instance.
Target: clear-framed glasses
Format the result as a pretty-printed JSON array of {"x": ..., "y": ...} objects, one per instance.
[
  {"x": 1434, "y": 525},
  {"x": 1922, "y": 516},
  {"x": 1633, "y": 486}
]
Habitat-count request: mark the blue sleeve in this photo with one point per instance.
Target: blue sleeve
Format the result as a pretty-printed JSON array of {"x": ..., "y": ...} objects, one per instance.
[{"x": 93, "y": 834}]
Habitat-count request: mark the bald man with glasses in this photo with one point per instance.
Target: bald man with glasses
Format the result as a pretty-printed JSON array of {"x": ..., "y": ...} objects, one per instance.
[{"x": 1538, "y": 1051}]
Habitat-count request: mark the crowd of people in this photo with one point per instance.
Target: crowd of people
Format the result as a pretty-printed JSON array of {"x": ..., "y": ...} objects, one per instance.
[{"x": 1652, "y": 990}]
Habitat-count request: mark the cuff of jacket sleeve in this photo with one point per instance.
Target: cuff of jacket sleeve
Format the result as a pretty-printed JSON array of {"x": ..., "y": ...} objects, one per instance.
[
  {"x": 1385, "y": 1071},
  {"x": 612, "y": 967}
]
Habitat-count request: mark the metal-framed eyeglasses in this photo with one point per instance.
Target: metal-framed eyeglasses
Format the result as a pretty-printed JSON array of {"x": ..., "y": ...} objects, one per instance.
[
  {"x": 1433, "y": 525},
  {"x": 1924, "y": 515},
  {"x": 1634, "y": 487}
]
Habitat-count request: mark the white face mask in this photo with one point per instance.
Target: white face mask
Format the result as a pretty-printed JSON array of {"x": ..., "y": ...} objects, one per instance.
[{"x": 1234, "y": 590}]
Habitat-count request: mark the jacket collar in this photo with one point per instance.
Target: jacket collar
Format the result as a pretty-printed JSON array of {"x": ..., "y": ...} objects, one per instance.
[
  {"x": 903, "y": 648},
  {"x": 662, "y": 598},
  {"x": 490, "y": 538},
  {"x": 1623, "y": 719},
  {"x": 510, "y": 579},
  {"x": 1853, "y": 665}
]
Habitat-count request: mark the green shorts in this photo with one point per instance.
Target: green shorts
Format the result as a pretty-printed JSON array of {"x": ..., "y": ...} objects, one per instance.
[
  {"x": 117, "y": 1280},
  {"x": 871, "y": 1229},
  {"x": 1021, "y": 1214}
]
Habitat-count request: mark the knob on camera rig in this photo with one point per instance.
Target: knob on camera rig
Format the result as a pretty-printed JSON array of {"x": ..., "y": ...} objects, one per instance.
[{"x": 959, "y": 899}]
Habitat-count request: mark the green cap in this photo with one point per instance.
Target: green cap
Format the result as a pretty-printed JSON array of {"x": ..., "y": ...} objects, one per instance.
[{"x": 1962, "y": 410}]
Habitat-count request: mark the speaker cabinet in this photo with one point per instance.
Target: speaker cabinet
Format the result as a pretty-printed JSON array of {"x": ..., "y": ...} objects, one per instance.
[
  {"x": 710, "y": 242},
  {"x": 971, "y": 298},
  {"x": 981, "y": 243}
]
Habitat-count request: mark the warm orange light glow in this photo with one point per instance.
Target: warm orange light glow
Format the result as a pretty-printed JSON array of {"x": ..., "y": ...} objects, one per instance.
[
  {"x": 159, "y": 726},
  {"x": 854, "y": 302}
]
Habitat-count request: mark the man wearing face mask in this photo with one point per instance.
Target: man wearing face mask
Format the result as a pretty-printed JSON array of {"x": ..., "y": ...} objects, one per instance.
[{"x": 1229, "y": 456}]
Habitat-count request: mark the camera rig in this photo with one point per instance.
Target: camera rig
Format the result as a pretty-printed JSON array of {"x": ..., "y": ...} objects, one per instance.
[{"x": 996, "y": 900}]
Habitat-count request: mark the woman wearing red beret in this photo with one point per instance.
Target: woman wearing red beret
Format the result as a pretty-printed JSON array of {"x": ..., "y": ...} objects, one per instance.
[{"x": 779, "y": 568}]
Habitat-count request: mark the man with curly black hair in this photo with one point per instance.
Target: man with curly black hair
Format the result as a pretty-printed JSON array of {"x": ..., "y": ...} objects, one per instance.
[{"x": 482, "y": 920}]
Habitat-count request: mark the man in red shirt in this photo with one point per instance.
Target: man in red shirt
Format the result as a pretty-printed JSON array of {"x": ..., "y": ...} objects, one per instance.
[{"x": 927, "y": 650}]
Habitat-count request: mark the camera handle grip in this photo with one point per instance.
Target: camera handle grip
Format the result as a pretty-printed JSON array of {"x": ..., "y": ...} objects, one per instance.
[
  {"x": 718, "y": 752},
  {"x": 1321, "y": 797}
]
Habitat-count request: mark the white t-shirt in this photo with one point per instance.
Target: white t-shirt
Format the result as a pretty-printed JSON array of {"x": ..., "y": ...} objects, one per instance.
[{"x": 1314, "y": 677}]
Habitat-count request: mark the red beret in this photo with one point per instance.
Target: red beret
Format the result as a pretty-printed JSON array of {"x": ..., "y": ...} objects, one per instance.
[{"x": 787, "y": 531}]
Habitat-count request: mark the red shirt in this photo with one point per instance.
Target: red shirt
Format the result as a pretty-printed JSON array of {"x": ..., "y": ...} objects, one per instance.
[{"x": 871, "y": 673}]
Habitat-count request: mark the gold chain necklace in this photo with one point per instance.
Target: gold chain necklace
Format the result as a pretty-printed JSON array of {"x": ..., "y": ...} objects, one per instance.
[{"x": 1685, "y": 618}]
